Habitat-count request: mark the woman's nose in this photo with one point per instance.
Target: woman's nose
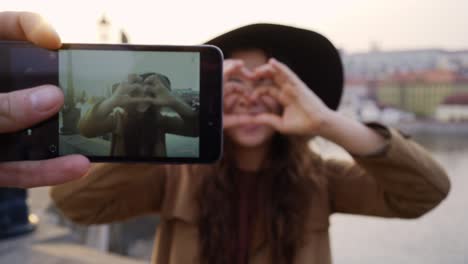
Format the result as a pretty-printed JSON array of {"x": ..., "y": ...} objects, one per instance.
[{"x": 246, "y": 101}]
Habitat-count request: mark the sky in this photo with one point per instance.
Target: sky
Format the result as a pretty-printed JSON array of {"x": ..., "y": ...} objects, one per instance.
[
  {"x": 94, "y": 73},
  {"x": 352, "y": 25}
]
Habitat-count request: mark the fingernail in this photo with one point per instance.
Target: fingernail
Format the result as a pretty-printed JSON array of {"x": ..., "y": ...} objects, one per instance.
[{"x": 45, "y": 98}]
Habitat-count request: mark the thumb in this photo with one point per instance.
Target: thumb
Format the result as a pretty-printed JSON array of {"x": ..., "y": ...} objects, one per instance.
[{"x": 24, "y": 108}]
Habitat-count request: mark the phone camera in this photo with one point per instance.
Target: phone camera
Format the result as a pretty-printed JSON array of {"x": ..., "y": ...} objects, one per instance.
[{"x": 52, "y": 149}]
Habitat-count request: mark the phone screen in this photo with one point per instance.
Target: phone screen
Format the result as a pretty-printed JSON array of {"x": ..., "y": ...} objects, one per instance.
[
  {"x": 123, "y": 103},
  {"x": 117, "y": 103}
]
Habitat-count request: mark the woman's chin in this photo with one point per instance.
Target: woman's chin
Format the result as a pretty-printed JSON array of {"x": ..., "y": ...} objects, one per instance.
[{"x": 250, "y": 143}]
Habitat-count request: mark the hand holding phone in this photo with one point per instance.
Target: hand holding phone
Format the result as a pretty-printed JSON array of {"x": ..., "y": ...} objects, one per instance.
[
  {"x": 24, "y": 108},
  {"x": 123, "y": 103}
]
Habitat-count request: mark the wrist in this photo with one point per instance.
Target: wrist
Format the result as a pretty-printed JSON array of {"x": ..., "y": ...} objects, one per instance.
[
  {"x": 171, "y": 101},
  {"x": 329, "y": 123},
  {"x": 112, "y": 102}
]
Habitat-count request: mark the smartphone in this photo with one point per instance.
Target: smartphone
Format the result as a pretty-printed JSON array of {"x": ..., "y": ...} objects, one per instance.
[{"x": 123, "y": 103}]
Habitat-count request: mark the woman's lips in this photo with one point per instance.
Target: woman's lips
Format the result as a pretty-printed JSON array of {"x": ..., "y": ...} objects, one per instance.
[{"x": 250, "y": 128}]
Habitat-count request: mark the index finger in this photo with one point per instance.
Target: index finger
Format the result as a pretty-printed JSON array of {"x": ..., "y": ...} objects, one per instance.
[
  {"x": 125, "y": 88},
  {"x": 232, "y": 67},
  {"x": 284, "y": 77},
  {"x": 284, "y": 72},
  {"x": 30, "y": 27},
  {"x": 134, "y": 78}
]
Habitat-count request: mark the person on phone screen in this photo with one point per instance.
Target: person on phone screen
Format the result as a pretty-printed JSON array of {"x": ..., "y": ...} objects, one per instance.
[
  {"x": 133, "y": 114},
  {"x": 269, "y": 199}
]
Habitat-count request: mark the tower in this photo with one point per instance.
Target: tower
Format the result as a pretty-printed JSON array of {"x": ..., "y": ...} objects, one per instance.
[{"x": 108, "y": 33}]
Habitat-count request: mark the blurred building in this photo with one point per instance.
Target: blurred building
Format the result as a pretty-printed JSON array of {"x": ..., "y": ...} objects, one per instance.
[
  {"x": 454, "y": 108},
  {"x": 190, "y": 96},
  {"x": 410, "y": 81},
  {"x": 380, "y": 64}
]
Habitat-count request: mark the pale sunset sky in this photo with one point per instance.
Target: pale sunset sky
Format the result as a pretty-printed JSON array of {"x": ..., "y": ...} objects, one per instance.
[{"x": 351, "y": 25}]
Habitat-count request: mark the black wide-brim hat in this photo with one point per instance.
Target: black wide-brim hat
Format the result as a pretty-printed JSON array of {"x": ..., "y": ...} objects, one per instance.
[{"x": 310, "y": 55}]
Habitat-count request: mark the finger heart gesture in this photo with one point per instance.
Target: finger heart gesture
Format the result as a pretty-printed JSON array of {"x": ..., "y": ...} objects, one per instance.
[
  {"x": 122, "y": 94},
  {"x": 157, "y": 91},
  {"x": 303, "y": 112},
  {"x": 134, "y": 90}
]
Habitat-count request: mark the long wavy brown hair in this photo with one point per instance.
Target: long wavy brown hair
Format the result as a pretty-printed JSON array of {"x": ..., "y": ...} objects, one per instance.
[
  {"x": 284, "y": 195},
  {"x": 139, "y": 132}
]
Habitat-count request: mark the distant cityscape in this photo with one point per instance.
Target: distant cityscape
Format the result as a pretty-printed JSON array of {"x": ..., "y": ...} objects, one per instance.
[
  {"x": 189, "y": 96},
  {"x": 393, "y": 87},
  {"x": 407, "y": 85}
]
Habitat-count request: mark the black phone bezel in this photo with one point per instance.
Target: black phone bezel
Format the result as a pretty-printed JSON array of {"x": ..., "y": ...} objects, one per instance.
[{"x": 210, "y": 112}]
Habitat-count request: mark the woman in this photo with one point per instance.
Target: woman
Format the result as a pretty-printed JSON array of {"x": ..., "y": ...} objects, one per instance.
[
  {"x": 133, "y": 115},
  {"x": 269, "y": 199}
]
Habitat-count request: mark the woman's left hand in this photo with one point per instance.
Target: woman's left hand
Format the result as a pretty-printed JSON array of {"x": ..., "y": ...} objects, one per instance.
[{"x": 303, "y": 112}]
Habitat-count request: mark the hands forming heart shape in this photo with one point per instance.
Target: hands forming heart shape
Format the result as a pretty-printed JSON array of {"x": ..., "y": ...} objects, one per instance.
[
  {"x": 303, "y": 113},
  {"x": 136, "y": 90}
]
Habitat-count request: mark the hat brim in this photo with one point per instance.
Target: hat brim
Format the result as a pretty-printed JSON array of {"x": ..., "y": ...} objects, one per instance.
[{"x": 310, "y": 55}]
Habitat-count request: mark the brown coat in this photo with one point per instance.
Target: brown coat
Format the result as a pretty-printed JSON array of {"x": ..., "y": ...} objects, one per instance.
[{"x": 402, "y": 181}]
